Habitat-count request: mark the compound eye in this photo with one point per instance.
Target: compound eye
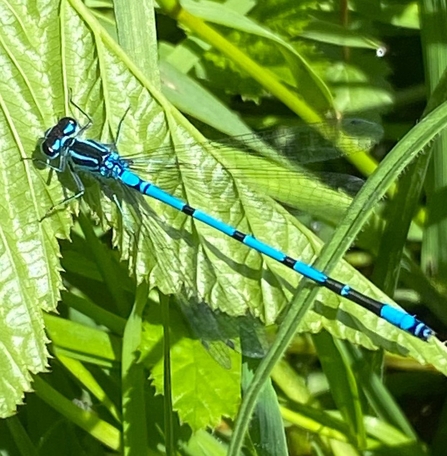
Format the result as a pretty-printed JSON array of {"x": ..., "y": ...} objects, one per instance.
[
  {"x": 52, "y": 148},
  {"x": 48, "y": 150},
  {"x": 57, "y": 145},
  {"x": 70, "y": 126}
]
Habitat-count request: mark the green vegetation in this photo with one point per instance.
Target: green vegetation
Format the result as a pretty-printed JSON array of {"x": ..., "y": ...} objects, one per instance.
[{"x": 135, "y": 362}]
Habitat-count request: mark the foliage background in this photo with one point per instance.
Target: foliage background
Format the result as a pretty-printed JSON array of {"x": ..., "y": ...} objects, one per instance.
[{"x": 250, "y": 65}]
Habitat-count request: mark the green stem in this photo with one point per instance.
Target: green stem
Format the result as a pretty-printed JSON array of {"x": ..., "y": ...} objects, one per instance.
[{"x": 266, "y": 79}]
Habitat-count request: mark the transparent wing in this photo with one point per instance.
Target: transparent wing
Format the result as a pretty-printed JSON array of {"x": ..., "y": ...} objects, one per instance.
[
  {"x": 299, "y": 143},
  {"x": 271, "y": 162},
  {"x": 219, "y": 331}
]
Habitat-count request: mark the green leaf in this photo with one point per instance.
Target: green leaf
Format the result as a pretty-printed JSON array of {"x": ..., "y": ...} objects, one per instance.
[
  {"x": 336, "y": 364},
  {"x": 203, "y": 444},
  {"x": 102, "y": 430},
  {"x": 298, "y": 69},
  {"x": 199, "y": 402},
  {"x": 82, "y": 342},
  {"x": 266, "y": 428},
  {"x": 183, "y": 92},
  {"x": 136, "y": 25},
  {"x": 30, "y": 279},
  {"x": 328, "y": 32}
]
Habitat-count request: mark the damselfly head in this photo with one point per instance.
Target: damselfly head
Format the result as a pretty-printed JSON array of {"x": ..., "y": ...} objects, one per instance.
[
  {"x": 66, "y": 126},
  {"x": 56, "y": 136}
]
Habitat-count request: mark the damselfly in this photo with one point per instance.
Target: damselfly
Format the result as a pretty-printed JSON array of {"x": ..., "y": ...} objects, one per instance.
[{"x": 63, "y": 145}]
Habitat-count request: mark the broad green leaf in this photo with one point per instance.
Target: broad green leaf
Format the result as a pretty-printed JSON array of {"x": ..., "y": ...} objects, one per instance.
[
  {"x": 30, "y": 279},
  {"x": 202, "y": 390}
]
